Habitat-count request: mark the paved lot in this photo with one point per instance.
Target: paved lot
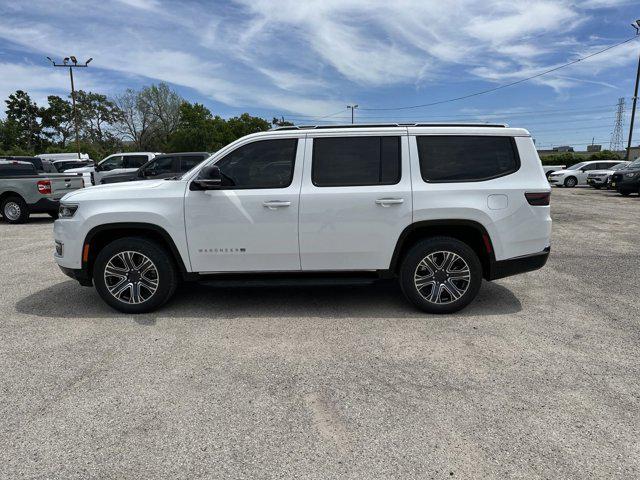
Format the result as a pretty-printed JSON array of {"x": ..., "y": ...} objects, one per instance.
[{"x": 539, "y": 378}]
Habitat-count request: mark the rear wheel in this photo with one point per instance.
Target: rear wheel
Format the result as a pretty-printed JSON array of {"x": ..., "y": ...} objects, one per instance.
[
  {"x": 15, "y": 210},
  {"x": 441, "y": 275},
  {"x": 597, "y": 187},
  {"x": 571, "y": 182},
  {"x": 134, "y": 275}
]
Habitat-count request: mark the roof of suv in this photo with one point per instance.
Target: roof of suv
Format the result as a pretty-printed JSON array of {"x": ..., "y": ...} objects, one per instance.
[{"x": 498, "y": 129}]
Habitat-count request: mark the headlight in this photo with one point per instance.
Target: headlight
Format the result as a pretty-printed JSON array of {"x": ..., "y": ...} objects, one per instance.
[
  {"x": 631, "y": 175},
  {"x": 67, "y": 211}
]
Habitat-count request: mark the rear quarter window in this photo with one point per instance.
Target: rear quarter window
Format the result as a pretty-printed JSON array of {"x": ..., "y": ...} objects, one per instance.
[{"x": 448, "y": 158}]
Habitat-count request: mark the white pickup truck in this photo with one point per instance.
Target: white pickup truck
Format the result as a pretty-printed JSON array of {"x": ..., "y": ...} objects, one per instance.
[{"x": 23, "y": 191}]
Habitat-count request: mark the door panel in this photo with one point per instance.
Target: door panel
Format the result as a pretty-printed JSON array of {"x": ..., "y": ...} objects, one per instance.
[
  {"x": 353, "y": 227},
  {"x": 246, "y": 229}
]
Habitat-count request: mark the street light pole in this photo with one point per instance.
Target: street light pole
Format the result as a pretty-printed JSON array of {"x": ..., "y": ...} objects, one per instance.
[
  {"x": 352, "y": 108},
  {"x": 635, "y": 25},
  {"x": 74, "y": 64}
]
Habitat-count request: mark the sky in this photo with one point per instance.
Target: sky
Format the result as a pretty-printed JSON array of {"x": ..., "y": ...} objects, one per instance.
[{"x": 306, "y": 60}]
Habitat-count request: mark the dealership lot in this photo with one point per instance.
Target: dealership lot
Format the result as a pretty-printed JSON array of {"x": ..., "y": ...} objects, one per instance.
[{"x": 539, "y": 377}]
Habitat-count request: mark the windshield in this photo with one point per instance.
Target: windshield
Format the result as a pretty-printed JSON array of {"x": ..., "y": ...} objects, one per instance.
[
  {"x": 577, "y": 166},
  {"x": 634, "y": 164},
  {"x": 620, "y": 166}
]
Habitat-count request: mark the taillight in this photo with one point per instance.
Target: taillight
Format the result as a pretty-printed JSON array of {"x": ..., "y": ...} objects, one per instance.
[
  {"x": 44, "y": 187},
  {"x": 538, "y": 199}
]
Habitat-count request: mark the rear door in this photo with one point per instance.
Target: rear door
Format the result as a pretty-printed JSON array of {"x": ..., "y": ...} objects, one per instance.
[
  {"x": 355, "y": 199},
  {"x": 251, "y": 222}
]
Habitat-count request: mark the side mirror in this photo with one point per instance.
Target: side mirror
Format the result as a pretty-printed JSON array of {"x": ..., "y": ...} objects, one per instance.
[
  {"x": 141, "y": 174},
  {"x": 210, "y": 178}
]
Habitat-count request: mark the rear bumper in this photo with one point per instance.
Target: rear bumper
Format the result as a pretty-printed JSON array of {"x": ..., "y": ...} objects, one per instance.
[
  {"x": 81, "y": 275},
  {"x": 44, "y": 205},
  {"x": 514, "y": 266}
]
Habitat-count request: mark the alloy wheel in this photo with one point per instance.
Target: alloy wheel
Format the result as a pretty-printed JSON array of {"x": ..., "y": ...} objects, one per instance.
[
  {"x": 442, "y": 277},
  {"x": 131, "y": 277}
]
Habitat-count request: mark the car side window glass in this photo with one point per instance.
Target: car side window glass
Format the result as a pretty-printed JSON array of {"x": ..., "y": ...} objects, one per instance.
[
  {"x": 355, "y": 161},
  {"x": 160, "y": 166},
  {"x": 261, "y": 164},
  {"x": 135, "y": 161},
  {"x": 111, "y": 163},
  {"x": 188, "y": 162},
  {"x": 449, "y": 158}
]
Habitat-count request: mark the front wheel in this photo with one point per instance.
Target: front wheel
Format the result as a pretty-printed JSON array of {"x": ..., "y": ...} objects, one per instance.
[
  {"x": 571, "y": 182},
  {"x": 134, "y": 275},
  {"x": 441, "y": 275}
]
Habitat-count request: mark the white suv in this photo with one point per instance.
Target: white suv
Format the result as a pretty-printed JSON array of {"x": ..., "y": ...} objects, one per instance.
[{"x": 440, "y": 207}]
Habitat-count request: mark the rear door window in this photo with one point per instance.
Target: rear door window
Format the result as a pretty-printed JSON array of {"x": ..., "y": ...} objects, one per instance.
[
  {"x": 161, "y": 166},
  {"x": 135, "y": 161},
  {"x": 188, "y": 162},
  {"x": 355, "y": 161},
  {"x": 449, "y": 158}
]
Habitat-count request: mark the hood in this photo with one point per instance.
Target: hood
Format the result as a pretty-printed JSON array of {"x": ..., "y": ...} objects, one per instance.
[
  {"x": 117, "y": 191},
  {"x": 81, "y": 170},
  {"x": 560, "y": 172}
]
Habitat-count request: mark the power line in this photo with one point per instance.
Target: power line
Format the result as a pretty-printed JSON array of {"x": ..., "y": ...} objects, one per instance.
[{"x": 499, "y": 87}]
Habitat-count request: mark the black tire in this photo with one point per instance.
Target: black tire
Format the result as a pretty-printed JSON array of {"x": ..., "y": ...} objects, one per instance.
[
  {"x": 412, "y": 264},
  {"x": 597, "y": 187},
  {"x": 15, "y": 210},
  {"x": 165, "y": 275},
  {"x": 53, "y": 215},
  {"x": 570, "y": 182}
]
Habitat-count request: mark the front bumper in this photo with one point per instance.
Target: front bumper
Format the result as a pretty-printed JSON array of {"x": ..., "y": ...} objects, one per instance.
[
  {"x": 514, "y": 266},
  {"x": 597, "y": 181},
  {"x": 80, "y": 275},
  {"x": 556, "y": 180}
]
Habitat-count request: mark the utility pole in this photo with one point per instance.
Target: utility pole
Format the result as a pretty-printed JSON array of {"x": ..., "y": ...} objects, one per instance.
[
  {"x": 635, "y": 25},
  {"x": 74, "y": 64},
  {"x": 352, "y": 108}
]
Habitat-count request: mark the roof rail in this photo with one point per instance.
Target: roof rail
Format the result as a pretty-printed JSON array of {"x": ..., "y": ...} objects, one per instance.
[{"x": 367, "y": 125}]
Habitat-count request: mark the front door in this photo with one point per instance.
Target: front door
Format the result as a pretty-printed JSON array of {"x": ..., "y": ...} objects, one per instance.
[
  {"x": 355, "y": 201},
  {"x": 251, "y": 222}
]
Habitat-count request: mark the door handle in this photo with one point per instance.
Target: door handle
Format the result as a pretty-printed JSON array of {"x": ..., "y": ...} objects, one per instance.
[
  {"x": 387, "y": 202},
  {"x": 273, "y": 204}
]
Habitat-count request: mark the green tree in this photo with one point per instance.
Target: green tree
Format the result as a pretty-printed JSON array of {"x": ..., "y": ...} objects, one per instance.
[
  {"x": 162, "y": 106},
  {"x": 57, "y": 120},
  {"x": 281, "y": 122},
  {"x": 245, "y": 124},
  {"x": 197, "y": 130},
  {"x": 26, "y": 115}
]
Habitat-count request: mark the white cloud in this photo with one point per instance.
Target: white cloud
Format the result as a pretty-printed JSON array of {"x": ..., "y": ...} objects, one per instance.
[{"x": 308, "y": 57}]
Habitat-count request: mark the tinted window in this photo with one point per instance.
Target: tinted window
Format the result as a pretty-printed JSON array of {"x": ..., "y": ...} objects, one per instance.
[
  {"x": 15, "y": 169},
  {"x": 352, "y": 161},
  {"x": 466, "y": 159},
  {"x": 262, "y": 164},
  {"x": 160, "y": 166},
  {"x": 187, "y": 163},
  {"x": 591, "y": 166},
  {"x": 135, "y": 161}
]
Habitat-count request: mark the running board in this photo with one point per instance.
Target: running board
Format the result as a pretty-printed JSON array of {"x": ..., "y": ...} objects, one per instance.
[{"x": 288, "y": 279}]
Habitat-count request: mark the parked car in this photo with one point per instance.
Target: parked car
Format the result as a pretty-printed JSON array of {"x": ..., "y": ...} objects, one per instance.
[
  {"x": 116, "y": 163},
  {"x": 64, "y": 165},
  {"x": 162, "y": 166},
  {"x": 40, "y": 165},
  {"x": 627, "y": 181},
  {"x": 549, "y": 169},
  {"x": 24, "y": 191},
  {"x": 577, "y": 174},
  {"x": 602, "y": 178},
  {"x": 438, "y": 207}
]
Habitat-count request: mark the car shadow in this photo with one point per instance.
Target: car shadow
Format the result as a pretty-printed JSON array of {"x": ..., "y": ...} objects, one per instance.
[{"x": 380, "y": 300}]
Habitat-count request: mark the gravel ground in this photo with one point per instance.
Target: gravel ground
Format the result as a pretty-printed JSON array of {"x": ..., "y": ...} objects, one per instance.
[{"x": 539, "y": 378}]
